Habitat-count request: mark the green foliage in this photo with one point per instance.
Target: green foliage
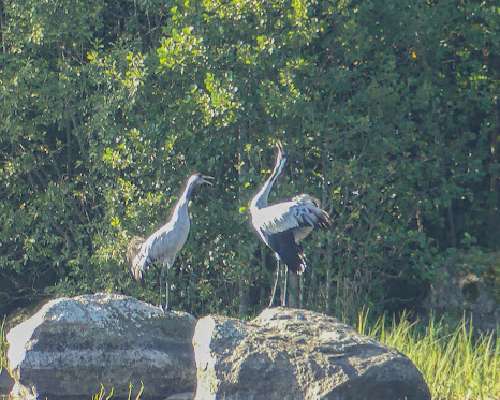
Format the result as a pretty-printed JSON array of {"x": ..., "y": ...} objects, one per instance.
[
  {"x": 389, "y": 111},
  {"x": 454, "y": 364}
]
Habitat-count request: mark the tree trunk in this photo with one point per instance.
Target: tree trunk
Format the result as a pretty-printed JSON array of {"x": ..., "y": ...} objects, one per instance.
[
  {"x": 452, "y": 234},
  {"x": 329, "y": 247},
  {"x": 494, "y": 200},
  {"x": 328, "y": 290},
  {"x": 244, "y": 268},
  {"x": 2, "y": 25},
  {"x": 243, "y": 295}
]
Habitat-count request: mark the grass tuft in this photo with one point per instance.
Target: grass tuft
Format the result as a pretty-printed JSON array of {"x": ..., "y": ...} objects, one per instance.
[
  {"x": 102, "y": 395},
  {"x": 455, "y": 365},
  {"x": 3, "y": 346}
]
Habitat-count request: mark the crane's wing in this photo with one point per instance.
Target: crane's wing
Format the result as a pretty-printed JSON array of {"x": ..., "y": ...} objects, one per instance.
[
  {"x": 283, "y": 225},
  {"x": 161, "y": 247},
  {"x": 292, "y": 215},
  {"x": 288, "y": 250},
  {"x": 151, "y": 251}
]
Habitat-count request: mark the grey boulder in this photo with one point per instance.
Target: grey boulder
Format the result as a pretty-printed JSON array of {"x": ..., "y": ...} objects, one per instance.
[
  {"x": 290, "y": 354},
  {"x": 73, "y": 345}
]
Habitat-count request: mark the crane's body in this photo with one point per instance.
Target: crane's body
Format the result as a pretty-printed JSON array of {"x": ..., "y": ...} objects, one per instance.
[
  {"x": 162, "y": 246},
  {"x": 283, "y": 226}
]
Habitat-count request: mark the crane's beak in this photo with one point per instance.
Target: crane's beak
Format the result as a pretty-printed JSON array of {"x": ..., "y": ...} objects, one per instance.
[{"x": 205, "y": 179}]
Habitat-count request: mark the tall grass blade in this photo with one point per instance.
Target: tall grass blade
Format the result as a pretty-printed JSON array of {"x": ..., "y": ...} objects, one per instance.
[{"x": 455, "y": 365}]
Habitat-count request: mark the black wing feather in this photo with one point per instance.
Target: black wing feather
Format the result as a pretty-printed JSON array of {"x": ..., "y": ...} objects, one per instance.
[{"x": 292, "y": 254}]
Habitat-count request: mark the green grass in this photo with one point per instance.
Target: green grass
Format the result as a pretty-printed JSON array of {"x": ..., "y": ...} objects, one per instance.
[
  {"x": 3, "y": 346},
  {"x": 102, "y": 395},
  {"x": 455, "y": 365}
]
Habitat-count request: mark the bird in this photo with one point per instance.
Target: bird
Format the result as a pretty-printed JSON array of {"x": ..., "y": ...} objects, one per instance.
[
  {"x": 161, "y": 247},
  {"x": 283, "y": 226}
]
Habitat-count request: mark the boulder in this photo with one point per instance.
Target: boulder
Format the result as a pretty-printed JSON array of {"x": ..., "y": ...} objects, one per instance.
[
  {"x": 465, "y": 294},
  {"x": 290, "y": 354},
  {"x": 72, "y": 346}
]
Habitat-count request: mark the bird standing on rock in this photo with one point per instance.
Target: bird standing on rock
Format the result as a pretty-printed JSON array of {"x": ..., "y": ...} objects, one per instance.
[
  {"x": 284, "y": 225},
  {"x": 162, "y": 246}
]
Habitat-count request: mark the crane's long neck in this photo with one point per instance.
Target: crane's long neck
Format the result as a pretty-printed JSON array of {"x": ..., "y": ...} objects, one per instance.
[
  {"x": 260, "y": 199},
  {"x": 181, "y": 208}
]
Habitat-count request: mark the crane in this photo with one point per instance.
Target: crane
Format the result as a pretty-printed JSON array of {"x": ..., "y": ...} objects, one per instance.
[
  {"x": 283, "y": 226},
  {"x": 162, "y": 246}
]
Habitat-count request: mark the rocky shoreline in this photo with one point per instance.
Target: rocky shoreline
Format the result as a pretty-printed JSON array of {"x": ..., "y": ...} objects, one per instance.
[{"x": 72, "y": 345}]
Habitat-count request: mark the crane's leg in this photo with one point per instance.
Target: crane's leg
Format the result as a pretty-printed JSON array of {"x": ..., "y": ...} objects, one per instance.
[
  {"x": 168, "y": 279},
  {"x": 162, "y": 278},
  {"x": 301, "y": 292},
  {"x": 285, "y": 279},
  {"x": 273, "y": 293},
  {"x": 166, "y": 292}
]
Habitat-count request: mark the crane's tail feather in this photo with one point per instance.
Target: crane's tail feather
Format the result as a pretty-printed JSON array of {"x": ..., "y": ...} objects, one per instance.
[
  {"x": 137, "y": 273},
  {"x": 136, "y": 268},
  {"x": 324, "y": 220},
  {"x": 139, "y": 267},
  {"x": 321, "y": 218},
  {"x": 302, "y": 264}
]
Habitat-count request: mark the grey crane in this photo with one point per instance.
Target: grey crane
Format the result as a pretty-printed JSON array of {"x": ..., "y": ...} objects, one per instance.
[
  {"x": 162, "y": 246},
  {"x": 284, "y": 225}
]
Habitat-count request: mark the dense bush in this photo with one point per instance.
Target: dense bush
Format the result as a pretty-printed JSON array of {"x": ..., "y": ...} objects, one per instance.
[{"x": 389, "y": 110}]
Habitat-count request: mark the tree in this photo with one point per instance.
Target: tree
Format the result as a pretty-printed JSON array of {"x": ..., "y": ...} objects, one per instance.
[{"x": 389, "y": 111}]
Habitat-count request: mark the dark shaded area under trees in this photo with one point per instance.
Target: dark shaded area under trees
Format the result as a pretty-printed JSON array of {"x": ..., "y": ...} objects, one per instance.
[{"x": 389, "y": 110}]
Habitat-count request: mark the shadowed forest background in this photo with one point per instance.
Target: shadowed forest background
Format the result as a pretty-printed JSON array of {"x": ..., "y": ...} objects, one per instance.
[{"x": 389, "y": 111}]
